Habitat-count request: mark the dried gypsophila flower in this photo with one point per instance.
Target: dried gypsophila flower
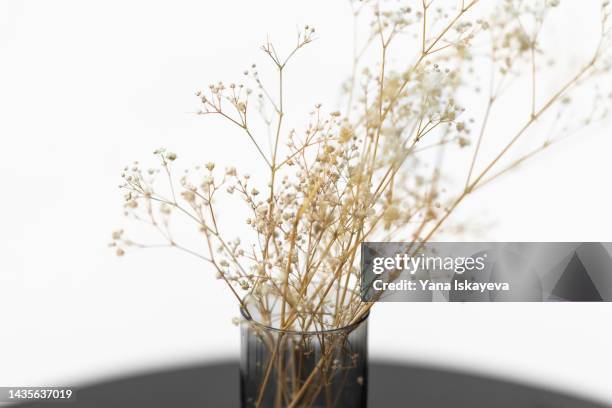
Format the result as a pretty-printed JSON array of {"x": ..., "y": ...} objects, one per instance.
[{"x": 350, "y": 176}]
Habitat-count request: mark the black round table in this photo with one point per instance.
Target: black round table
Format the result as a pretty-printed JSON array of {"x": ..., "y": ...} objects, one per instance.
[{"x": 390, "y": 385}]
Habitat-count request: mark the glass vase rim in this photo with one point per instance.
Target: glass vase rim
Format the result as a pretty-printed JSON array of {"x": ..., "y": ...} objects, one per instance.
[{"x": 343, "y": 329}]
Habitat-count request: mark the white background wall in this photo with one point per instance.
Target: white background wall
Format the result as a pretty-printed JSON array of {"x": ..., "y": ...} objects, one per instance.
[{"x": 87, "y": 87}]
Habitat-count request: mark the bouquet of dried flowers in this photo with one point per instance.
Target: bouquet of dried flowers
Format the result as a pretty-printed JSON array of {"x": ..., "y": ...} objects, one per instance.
[{"x": 373, "y": 171}]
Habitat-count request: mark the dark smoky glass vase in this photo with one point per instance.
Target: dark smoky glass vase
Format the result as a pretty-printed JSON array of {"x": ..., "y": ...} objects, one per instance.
[{"x": 281, "y": 368}]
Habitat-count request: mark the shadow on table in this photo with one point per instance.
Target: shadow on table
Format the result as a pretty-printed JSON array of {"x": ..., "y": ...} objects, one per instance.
[{"x": 390, "y": 385}]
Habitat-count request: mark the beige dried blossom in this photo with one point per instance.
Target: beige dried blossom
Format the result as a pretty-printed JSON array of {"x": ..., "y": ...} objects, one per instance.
[{"x": 373, "y": 170}]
